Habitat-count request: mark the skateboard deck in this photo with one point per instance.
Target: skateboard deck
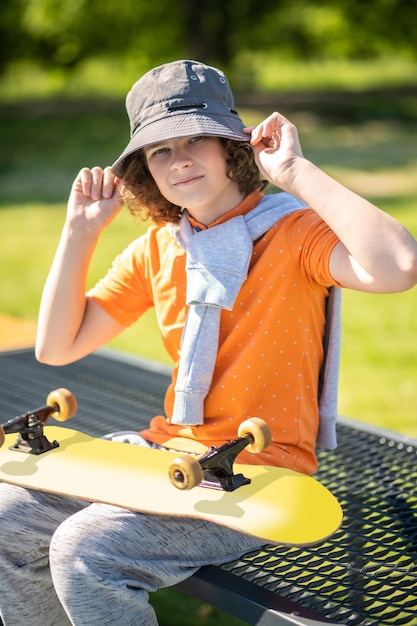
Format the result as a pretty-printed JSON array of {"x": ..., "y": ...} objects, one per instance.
[{"x": 279, "y": 505}]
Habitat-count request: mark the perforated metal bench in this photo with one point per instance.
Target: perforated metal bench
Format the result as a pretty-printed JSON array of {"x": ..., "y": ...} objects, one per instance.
[{"x": 366, "y": 574}]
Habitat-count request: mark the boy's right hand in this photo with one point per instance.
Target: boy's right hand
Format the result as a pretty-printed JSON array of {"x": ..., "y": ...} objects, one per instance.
[{"x": 95, "y": 199}]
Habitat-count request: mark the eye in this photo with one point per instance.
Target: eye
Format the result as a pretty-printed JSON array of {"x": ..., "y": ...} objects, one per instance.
[
  {"x": 197, "y": 139},
  {"x": 160, "y": 151},
  {"x": 156, "y": 151}
]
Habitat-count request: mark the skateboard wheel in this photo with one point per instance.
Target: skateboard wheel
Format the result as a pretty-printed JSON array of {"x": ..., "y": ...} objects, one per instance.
[
  {"x": 65, "y": 402},
  {"x": 185, "y": 472},
  {"x": 1, "y": 436},
  {"x": 259, "y": 433}
]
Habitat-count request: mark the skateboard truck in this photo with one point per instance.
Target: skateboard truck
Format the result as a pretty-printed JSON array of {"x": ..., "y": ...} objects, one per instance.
[
  {"x": 29, "y": 428},
  {"x": 217, "y": 466},
  {"x": 214, "y": 469},
  {"x": 60, "y": 404}
]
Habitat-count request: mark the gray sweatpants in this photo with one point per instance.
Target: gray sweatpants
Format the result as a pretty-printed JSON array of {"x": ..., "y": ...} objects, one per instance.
[{"x": 67, "y": 562}]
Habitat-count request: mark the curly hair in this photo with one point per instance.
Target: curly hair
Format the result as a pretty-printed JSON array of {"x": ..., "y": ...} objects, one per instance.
[{"x": 144, "y": 199}]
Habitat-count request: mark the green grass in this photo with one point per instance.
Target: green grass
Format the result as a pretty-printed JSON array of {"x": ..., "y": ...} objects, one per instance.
[
  {"x": 169, "y": 606},
  {"x": 254, "y": 71},
  {"x": 276, "y": 73}
]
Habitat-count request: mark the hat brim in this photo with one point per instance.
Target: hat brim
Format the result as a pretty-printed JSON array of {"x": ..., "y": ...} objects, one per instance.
[{"x": 177, "y": 126}]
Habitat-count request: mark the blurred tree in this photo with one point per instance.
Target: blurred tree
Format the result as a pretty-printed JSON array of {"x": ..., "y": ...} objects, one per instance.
[
  {"x": 339, "y": 28},
  {"x": 217, "y": 30},
  {"x": 374, "y": 27},
  {"x": 11, "y": 45},
  {"x": 62, "y": 33}
]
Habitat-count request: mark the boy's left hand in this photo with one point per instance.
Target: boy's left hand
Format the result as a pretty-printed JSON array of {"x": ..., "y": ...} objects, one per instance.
[{"x": 277, "y": 149}]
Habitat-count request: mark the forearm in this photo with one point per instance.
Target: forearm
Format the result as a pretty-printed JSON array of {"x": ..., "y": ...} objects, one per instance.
[
  {"x": 71, "y": 325},
  {"x": 377, "y": 243},
  {"x": 376, "y": 253},
  {"x": 63, "y": 302}
]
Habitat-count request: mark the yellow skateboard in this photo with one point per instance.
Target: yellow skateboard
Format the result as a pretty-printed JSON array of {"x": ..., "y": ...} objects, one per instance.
[{"x": 276, "y": 505}]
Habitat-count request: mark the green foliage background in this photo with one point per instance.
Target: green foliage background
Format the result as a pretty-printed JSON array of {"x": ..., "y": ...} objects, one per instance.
[{"x": 61, "y": 34}]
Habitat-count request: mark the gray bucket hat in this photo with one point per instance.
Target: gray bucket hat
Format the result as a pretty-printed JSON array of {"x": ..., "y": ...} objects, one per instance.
[{"x": 179, "y": 99}]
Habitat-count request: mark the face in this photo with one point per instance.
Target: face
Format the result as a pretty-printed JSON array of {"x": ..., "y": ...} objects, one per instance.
[{"x": 191, "y": 172}]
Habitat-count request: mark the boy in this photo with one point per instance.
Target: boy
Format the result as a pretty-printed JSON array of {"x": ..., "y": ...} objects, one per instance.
[{"x": 239, "y": 282}]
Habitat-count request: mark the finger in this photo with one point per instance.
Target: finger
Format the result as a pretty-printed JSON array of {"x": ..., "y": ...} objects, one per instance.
[
  {"x": 110, "y": 182},
  {"x": 97, "y": 175},
  {"x": 248, "y": 129},
  {"x": 262, "y": 134},
  {"x": 268, "y": 130},
  {"x": 83, "y": 181}
]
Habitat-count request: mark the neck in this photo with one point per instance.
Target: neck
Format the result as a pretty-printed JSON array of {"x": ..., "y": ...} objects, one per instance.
[
  {"x": 243, "y": 206},
  {"x": 207, "y": 215}
]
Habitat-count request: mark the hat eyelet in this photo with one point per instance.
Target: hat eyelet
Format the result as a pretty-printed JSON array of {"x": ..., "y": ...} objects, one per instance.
[
  {"x": 204, "y": 105},
  {"x": 193, "y": 77},
  {"x": 222, "y": 79}
]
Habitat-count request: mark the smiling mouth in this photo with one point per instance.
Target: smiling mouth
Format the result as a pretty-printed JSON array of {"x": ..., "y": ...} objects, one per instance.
[{"x": 183, "y": 182}]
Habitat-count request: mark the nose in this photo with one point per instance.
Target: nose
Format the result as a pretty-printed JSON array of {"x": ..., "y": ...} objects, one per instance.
[{"x": 180, "y": 158}]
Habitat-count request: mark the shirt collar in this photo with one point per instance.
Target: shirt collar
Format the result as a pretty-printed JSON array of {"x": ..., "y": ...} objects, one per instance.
[{"x": 248, "y": 203}]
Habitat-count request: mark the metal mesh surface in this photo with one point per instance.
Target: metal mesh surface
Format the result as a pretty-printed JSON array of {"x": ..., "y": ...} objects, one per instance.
[
  {"x": 111, "y": 393},
  {"x": 366, "y": 574}
]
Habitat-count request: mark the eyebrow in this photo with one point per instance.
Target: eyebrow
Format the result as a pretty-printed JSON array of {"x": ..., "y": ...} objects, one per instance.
[{"x": 153, "y": 145}]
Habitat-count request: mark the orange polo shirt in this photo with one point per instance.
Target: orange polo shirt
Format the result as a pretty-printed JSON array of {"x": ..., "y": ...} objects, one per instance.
[{"x": 270, "y": 344}]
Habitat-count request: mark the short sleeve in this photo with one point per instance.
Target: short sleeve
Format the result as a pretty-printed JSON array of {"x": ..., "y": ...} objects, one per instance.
[
  {"x": 123, "y": 292},
  {"x": 311, "y": 242}
]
